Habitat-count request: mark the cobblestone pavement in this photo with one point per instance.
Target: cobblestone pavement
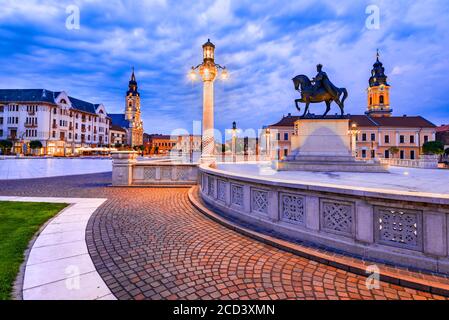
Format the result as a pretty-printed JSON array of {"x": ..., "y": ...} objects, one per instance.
[{"x": 151, "y": 243}]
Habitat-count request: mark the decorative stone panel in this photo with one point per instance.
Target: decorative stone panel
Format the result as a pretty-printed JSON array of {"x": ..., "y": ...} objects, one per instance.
[
  {"x": 149, "y": 173},
  {"x": 211, "y": 186},
  {"x": 203, "y": 182},
  {"x": 182, "y": 174},
  {"x": 259, "y": 201},
  {"x": 399, "y": 227},
  {"x": 221, "y": 190},
  {"x": 292, "y": 208},
  {"x": 237, "y": 195},
  {"x": 337, "y": 217},
  {"x": 166, "y": 173}
]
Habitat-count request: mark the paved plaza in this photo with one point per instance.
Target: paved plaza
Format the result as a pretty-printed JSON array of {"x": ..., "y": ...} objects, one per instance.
[
  {"x": 12, "y": 168},
  {"x": 151, "y": 243},
  {"x": 411, "y": 180}
]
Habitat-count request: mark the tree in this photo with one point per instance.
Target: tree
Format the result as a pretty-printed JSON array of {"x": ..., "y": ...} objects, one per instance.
[
  {"x": 118, "y": 145},
  {"x": 35, "y": 144},
  {"x": 433, "y": 147},
  {"x": 5, "y": 145},
  {"x": 394, "y": 150}
]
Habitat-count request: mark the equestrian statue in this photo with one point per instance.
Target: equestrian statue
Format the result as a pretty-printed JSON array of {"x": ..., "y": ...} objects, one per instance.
[{"x": 320, "y": 89}]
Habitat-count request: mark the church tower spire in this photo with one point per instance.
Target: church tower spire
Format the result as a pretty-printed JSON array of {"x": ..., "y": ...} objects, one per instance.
[
  {"x": 132, "y": 87},
  {"x": 378, "y": 91},
  {"x": 132, "y": 113}
]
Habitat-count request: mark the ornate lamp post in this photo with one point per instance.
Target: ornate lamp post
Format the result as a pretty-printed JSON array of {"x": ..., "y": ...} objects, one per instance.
[{"x": 208, "y": 71}]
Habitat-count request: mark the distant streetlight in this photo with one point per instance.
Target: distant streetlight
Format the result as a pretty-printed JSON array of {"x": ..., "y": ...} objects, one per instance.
[
  {"x": 354, "y": 131},
  {"x": 208, "y": 70},
  {"x": 234, "y": 141}
]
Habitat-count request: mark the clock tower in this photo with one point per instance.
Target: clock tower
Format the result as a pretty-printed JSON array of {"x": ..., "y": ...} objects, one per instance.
[
  {"x": 378, "y": 92},
  {"x": 132, "y": 113}
]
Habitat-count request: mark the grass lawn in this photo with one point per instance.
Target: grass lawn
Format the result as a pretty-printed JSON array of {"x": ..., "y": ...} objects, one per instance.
[{"x": 19, "y": 221}]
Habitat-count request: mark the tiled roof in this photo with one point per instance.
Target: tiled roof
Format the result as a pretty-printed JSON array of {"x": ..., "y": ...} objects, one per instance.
[
  {"x": 404, "y": 122},
  {"x": 82, "y": 105},
  {"x": 118, "y": 119},
  {"x": 43, "y": 96},
  {"x": 443, "y": 128},
  {"x": 115, "y": 127},
  {"x": 367, "y": 121},
  {"x": 27, "y": 95},
  {"x": 286, "y": 121}
]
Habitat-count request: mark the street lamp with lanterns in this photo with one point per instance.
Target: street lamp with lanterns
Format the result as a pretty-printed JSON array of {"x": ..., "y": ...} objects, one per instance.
[{"x": 208, "y": 70}]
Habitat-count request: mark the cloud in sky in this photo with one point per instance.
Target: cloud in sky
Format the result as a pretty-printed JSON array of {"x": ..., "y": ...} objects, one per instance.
[{"x": 263, "y": 44}]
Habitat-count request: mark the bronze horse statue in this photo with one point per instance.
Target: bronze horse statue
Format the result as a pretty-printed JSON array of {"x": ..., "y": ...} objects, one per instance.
[{"x": 326, "y": 93}]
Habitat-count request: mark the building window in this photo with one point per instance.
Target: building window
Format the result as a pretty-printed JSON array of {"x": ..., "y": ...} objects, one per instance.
[
  {"x": 373, "y": 154},
  {"x": 426, "y": 139},
  {"x": 53, "y": 134},
  {"x": 286, "y": 136},
  {"x": 387, "y": 154},
  {"x": 363, "y": 153},
  {"x": 381, "y": 99},
  {"x": 412, "y": 154},
  {"x": 387, "y": 139},
  {"x": 401, "y": 154},
  {"x": 363, "y": 136},
  {"x": 278, "y": 136},
  {"x": 285, "y": 152},
  {"x": 401, "y": 139},
  {"x": 371, "y": 101},
  {"x": 412, "y": 139},
  {"x": 373, "y": 137}
]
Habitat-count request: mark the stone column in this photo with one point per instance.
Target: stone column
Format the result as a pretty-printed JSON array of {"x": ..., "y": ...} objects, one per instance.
[
  {"x": 208, "y": 150},
  {"x": 122, "y": 167}
]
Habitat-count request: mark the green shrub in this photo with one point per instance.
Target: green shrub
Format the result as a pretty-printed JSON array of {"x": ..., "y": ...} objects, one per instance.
[{"x": 433, "y": 147}]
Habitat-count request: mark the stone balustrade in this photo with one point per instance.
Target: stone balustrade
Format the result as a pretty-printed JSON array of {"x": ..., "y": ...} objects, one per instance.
[
  {"x": 127, "y": 171},
  {"x": 424, "y": 162},
  {"x": 403, "y": 228}
]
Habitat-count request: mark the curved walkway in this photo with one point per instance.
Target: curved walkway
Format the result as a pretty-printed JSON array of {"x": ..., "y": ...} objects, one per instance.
[
  {"x": 58, "y": 266},
  {"x": 151, "y": 243}
]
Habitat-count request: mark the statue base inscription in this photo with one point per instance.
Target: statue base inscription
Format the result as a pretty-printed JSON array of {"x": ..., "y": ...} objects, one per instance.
[{"x": 324, "y": 145}]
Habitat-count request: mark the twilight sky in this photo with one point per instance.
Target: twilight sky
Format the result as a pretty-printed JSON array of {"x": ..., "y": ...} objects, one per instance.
[{"x": 263, "y": 43}]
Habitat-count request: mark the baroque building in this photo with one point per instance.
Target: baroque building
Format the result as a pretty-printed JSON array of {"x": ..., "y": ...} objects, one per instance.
[
  {"x": 63, "y": 124},
  {"x": 131, "y": 120},
  {"x": 378, "y": 133}
]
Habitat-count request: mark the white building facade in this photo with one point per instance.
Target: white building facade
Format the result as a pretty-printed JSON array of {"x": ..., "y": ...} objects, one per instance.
[{"x": 61, "y": 123}]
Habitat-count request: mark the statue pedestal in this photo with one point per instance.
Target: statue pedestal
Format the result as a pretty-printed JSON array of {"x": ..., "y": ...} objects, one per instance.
[{"x": 324, "y": 145}]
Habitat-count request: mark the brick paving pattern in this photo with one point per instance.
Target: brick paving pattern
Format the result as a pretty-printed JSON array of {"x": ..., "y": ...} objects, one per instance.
[{"x": 151, "y": 243}]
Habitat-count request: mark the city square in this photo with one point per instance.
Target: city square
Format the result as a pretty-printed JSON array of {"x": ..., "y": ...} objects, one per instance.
[{"x": 197, "y": 184}]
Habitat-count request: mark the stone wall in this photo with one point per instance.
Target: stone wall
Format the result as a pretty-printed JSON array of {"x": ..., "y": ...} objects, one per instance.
[
  {"x": 398, "y": 228},
  {"x": 127, "y": 171},
  {"x": 424, "y": 162}
]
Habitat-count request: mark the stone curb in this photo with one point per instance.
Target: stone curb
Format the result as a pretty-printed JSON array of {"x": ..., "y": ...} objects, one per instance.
[{"x": 417, "y": 281}]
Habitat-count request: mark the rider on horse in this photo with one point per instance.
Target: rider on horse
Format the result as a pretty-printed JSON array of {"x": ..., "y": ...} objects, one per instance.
[{"x": 322, "y": 81}]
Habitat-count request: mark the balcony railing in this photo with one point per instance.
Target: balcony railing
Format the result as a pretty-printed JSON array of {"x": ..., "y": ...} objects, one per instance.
[
  {"x": 54, "y": 126},
  {"x": 31, "y": 113},
  {"x": 30, "y": 125}
]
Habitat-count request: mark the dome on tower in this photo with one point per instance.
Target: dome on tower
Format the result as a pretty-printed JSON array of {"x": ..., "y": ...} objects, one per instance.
[{"x": 378, "y": 76}]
